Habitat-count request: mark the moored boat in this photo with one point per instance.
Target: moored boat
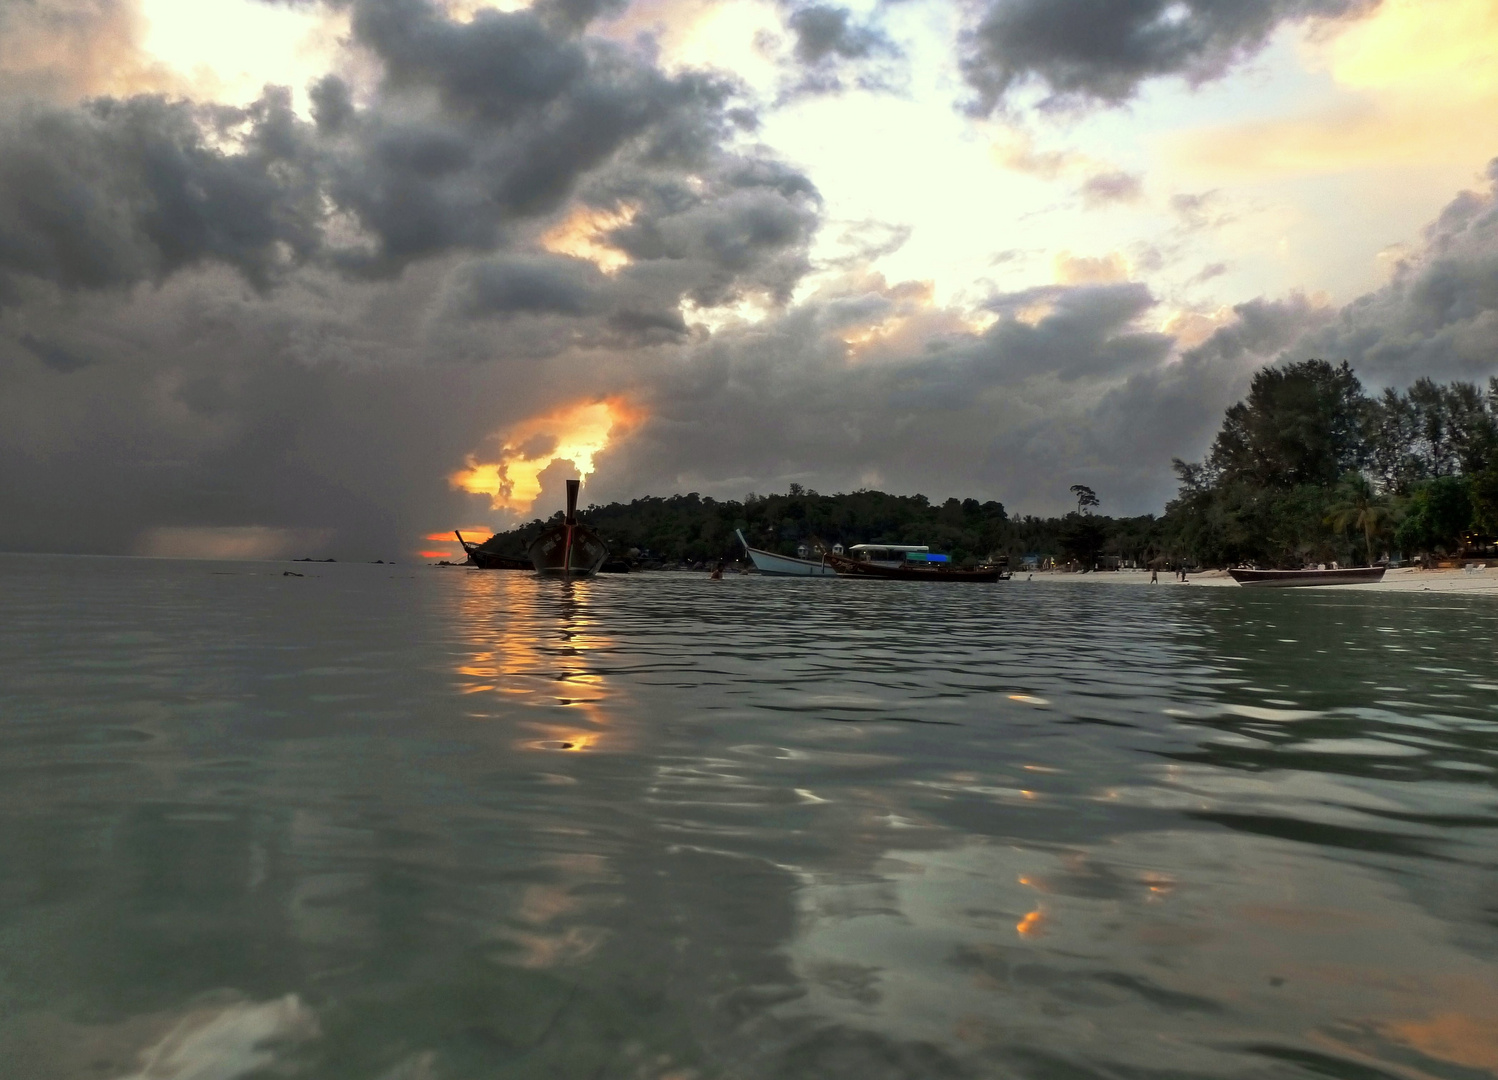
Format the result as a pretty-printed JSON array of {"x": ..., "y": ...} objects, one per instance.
[
  {"x": 1346, "y": 575},
  {"x": 767, "y": 562},
  {"x": 489, "y": 560},
  {"x": 569, "y": 549},
  {"x": 907, "y": 562}
]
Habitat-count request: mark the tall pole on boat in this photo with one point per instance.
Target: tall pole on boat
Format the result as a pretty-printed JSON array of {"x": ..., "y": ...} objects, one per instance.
[{"x": 571, "y": 522}]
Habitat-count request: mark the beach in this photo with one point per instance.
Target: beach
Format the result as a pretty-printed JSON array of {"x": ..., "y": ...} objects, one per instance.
[{"x": 1476, "y": 582}]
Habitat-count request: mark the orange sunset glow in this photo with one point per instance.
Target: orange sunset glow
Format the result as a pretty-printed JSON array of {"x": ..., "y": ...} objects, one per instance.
[
  {"x": 583, "y": 235},
  {"x": 576, "y": 433}
]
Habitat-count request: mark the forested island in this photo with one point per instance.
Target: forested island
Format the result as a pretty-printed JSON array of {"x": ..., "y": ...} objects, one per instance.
[{"x": 1308, "y": 468}]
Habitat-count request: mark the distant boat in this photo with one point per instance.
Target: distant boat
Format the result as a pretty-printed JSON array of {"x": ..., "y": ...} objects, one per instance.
[
  {"x": 907, "y": 562},
  {"x": 488, "y": 560},
  {"x": 1347, "y": 575},
  {"x": 570, "y": 549},
  {"x": 767, "y": 562}
]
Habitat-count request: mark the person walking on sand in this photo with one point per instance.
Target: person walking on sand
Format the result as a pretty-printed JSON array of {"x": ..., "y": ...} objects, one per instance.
[{"x": 1154, "y": 575}]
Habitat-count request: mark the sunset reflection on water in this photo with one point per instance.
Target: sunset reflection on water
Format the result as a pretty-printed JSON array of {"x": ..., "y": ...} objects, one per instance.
[{"x": 535, "y": 643}]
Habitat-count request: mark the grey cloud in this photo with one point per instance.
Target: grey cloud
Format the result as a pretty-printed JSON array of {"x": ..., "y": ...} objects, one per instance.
[
  {"x": 1261, "y": 329},
  {"x": 534, "y": 284},
  {"x": 1438, "y": 316},
  {"x": 1100, "y": 51},
  {"x": 327, "y": 408},
  {"x": 1088, "y": 331},
  {"x": 527, "y": 116},
  {"x": 1208, "y": 272},
  {"x": 55, "y": 356},
  {"x": 996, "y": 414},
  {"x": 744, "y": 226},
  {"x": 832, "y": 51},
  {"x": 332, "y": 104},
  {"x": 823, "y": 31},
  {"x": 477, "y": 133},
  {"x": 121, "y": 191},
  {"x": 869, "y": 240},
  {"x": 577, "y": 14},
  {"x": 1101, "y": 189}
]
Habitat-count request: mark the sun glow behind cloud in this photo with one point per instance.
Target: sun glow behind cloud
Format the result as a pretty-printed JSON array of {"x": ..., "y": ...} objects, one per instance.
[
  {"x": 583, "y": 235},
  {"x": 576, "y": 434},
  {"x": 231, "y": 49}
]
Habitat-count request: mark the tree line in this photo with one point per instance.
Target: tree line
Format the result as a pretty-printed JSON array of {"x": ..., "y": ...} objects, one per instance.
[
  {"x": 696, "y": 528},
  {"x": 1308, "y": 468}
]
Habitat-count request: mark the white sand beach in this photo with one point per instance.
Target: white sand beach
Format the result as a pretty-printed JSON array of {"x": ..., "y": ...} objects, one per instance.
[{"x": 1477, "y": 582}]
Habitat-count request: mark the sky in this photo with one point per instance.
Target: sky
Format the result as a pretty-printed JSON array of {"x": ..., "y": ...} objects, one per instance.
[{"x": 334, "y": 277}]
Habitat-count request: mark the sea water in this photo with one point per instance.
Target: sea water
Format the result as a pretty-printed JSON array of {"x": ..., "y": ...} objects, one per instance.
[{"x": 411, "y": 823}]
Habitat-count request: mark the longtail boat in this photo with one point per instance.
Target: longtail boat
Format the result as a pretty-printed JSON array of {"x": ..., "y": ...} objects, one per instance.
[
  {"x": 488, "y": 560},
  {"x": 767, "y": 562},
  {"x": 570, "y": 549},
  {"x": 1346, "y": 575},
  {"x": 906, "y": 562}
]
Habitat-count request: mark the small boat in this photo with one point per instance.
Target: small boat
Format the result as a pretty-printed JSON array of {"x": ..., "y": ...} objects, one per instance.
[
  {"x": 569, "y": 549},
  {"x": 767, "y": 562},
  {"x": 1347, "y": 575},
  {"x": 905, "y": 562},
  {"x": 489, "y": 560}
]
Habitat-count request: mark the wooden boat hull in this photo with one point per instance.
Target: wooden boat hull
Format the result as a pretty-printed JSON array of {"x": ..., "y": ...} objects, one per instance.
[
  {"x": 1281, "y": 579},
  {"x": 489, "y": 560},
  {"x": 568, "y": 549},
  {"x": 767, "y": 562},
  {"x": 548, "y": 552},
  {"x": 857, "y": 568}
]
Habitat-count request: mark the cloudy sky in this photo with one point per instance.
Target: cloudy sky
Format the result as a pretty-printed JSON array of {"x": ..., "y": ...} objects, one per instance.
[{"x": 333, "y": 276}]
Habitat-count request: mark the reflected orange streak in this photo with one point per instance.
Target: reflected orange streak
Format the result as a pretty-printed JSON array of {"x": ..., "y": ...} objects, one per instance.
[
  {"x": 537, "y": 664},
  {"x": 1032, "y": 925}
]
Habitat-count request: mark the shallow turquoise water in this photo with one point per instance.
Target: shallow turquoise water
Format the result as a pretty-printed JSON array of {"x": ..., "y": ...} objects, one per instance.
[{"x": 400, "y": 823}]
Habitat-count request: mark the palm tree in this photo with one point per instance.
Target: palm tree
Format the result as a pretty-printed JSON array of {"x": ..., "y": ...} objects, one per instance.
[{"x": 1360, "y": 508}]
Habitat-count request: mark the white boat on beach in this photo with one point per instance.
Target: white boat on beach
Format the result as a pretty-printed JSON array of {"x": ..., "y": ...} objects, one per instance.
[{"x": 767, "y": 562}]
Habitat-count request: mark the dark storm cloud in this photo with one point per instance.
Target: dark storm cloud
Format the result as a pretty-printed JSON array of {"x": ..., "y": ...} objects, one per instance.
[
  {"x": 205, "y": 408},
  {"x": 402, "y": 307},
  {"x": 824, "y": 31},
  {"x": 1100, "y": 51},
  {"x": 832, "y": 51},
  {"x": 531, "y": 284},
  {"x": 477, "y": 133},
  {"x": 1087, "y": 331},
  {"x": 55, "y": 356},
  {"x": 116, "y": 192}
]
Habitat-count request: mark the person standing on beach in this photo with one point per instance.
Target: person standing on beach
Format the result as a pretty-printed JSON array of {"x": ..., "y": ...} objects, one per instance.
[{"x": 1154, "y": 575}]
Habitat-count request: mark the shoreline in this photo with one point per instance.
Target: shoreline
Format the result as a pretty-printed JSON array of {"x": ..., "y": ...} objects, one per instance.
[{"x": 1400, "y": 579}]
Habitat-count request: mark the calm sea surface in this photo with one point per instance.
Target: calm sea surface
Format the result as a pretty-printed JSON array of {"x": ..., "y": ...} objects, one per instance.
[{"x": 403, "y": 823}]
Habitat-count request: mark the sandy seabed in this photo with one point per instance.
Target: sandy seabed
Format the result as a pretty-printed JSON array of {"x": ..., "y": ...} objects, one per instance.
[{"x": 1402, "y": 579}]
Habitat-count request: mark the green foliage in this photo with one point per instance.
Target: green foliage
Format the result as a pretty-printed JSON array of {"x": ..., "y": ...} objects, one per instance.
[
  {"x": 1301, "y": 424},
  {"x": 1358, "y": 507},
  {"x": 1439, "y": 511},
  {"x": 1484, "y": 491},
  {"x": 1310, "y": 469}
]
